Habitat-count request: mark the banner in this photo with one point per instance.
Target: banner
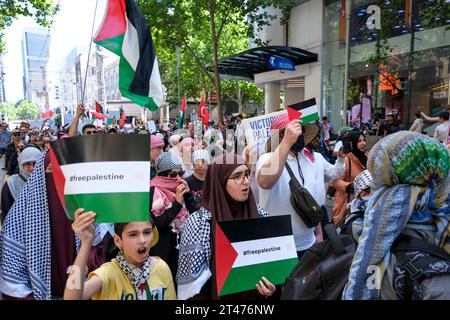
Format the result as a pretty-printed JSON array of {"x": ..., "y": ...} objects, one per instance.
[
  {"x": 107, "y": 174},
  {"x": 248, "y": 249},
  {"x": 257, "y": 129}
]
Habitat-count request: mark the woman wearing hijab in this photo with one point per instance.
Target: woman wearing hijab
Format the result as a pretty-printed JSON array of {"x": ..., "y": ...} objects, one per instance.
[
  {"x": 227, "y": 196},
  {"x": 355, "y": 163},
  {"x": 39, "y": 244},
  {"x": 14, "y": 185},
  {"x": 171, "y": 204},
  {"x": 411, "y": 180}
]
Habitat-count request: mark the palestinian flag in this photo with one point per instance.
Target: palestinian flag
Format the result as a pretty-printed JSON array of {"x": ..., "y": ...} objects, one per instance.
[
  {"x": 98, "y": 107},
  {"x": 107, "y": 174},
  {"x": 183, "y": 107},
  {"x": 307, "y": 111},
  {"x": 248, "y": 249},
  {"x": 124, "y": 31}
]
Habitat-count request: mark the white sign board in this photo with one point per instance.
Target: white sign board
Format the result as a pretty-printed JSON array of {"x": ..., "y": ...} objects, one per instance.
[
  {"x": 257, "y": 129},
  {"x": 151, "y": 126}
]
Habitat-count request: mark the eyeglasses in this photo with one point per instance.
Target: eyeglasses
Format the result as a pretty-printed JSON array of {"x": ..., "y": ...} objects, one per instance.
[
  {"x": 240, "y": 177},
  {"x": 91, "y": 132},
  {"x": 176, "y": 174}
]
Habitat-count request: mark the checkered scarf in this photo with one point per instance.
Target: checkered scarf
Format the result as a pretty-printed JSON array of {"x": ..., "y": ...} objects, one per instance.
[
  {"x": 138, "y": 276},
  {"x": 25, "y": 250}
]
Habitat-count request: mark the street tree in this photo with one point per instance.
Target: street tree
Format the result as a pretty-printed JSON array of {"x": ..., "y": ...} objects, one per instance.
[
  {"x": 9, "y": 110},
  {"x": 205, "y": 28},
  {"x": 26, "y": 110}
]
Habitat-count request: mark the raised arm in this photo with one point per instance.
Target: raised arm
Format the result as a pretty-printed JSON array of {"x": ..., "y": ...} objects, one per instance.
[
  {"x": 74, "y": 125},
  {"x": 76, "y": 287},
  {"x": 272, "y": 169}
]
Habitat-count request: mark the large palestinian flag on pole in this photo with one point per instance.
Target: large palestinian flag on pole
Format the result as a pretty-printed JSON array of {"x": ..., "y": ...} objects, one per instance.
[
  {"x": 107, "y": 174},
  {"x": 124, "y": 31},
  {"x": 307, "y": 111},
  {"x": 248, "y": 249}
]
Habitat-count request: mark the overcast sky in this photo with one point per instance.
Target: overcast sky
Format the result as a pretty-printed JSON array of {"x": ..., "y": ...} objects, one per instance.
[{"x": 72, "y": 28}]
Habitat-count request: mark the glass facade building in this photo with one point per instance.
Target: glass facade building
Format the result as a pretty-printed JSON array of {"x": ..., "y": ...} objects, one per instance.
[{"x": 401, "y": 68}]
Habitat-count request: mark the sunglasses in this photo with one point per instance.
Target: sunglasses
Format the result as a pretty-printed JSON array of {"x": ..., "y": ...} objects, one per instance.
[
  {"x": 176, "y": 174},
  {"x": 17, "y": 134}
]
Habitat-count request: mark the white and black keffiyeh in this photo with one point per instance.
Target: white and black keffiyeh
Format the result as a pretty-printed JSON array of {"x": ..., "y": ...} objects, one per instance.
[
  {"x": 25, "y": 250},
  {"x": 138, "y": 276},
  {"x": 195, "y": 253},
  {"x": 25, "y": 241}
]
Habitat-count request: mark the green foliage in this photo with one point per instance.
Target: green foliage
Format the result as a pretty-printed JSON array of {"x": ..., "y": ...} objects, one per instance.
[
  {"x": 26, "y": 110},
  {"x": 8, "y": 109},
  {"x": 41, "y": 10},
  {"x": 187, "y": 24}
]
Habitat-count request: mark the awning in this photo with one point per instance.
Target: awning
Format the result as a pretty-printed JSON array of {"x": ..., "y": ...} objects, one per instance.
[{"x": 245, "y": 65}]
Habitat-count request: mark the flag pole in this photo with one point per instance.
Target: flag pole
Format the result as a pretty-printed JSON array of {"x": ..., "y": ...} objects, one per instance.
[{"x": 89, "y": 54}]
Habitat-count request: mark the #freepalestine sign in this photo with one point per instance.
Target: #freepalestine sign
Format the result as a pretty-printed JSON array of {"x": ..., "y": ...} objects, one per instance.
[
  {"x": 249, "y": 249},
  {"x": 107, "y": 174}
]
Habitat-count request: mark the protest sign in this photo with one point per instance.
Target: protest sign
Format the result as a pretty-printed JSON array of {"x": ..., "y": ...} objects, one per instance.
[
  {"x": 151, "y": 126},
  {"x": 257, "y": 129},
  {"x": 248, "y": 249},
  {"x": 107, "y": 174}
]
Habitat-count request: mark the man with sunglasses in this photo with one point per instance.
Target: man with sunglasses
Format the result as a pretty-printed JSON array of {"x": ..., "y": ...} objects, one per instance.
[{"x": 87, "y": 129}]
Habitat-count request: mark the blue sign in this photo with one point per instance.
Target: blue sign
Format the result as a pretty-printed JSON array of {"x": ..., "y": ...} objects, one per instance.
[{"x": 279, "y": 63}]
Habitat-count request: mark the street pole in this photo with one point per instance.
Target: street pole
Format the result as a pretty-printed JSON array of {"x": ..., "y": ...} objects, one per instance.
[{"x": 348, "y": 8}]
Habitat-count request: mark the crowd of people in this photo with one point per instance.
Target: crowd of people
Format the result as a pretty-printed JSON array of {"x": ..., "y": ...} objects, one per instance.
[{"x": 203, "y": 175}]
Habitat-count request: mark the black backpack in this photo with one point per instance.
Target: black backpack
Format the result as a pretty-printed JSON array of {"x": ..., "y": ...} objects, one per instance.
[{"x": 322, "y": 272}]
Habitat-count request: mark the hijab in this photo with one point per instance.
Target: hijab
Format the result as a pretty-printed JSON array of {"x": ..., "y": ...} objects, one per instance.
[
  {"x": 215, "y": 196},
  {"x": 354, "y": 139}
]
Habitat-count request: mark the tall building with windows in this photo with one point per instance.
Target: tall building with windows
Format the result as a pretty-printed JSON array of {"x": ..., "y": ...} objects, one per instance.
[
  {"x": 35, "y": 49},
  {"x": 2, "y": 81}
]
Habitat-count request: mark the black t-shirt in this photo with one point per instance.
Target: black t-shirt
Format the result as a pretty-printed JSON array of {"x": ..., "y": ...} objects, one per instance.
[{"x": 196, "y": 187}]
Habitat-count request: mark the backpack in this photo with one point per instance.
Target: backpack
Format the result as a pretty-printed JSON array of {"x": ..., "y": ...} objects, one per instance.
[{"x": 322, "y": 272}]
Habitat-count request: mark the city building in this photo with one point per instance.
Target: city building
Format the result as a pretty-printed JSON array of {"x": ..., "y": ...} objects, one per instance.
[
  {"x": 35, "y": 49},
  {"x": 2, "y": 81},
  {"x": 394, "y": 59}
]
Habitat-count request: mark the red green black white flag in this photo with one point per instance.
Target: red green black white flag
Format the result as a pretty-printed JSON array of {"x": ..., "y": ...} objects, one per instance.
[
  {"x": 248, "y": 249},
  {"x": 124, "y": 32},
  {"x": 107, "y": 174},
  {"x": 307, "y": 111}
]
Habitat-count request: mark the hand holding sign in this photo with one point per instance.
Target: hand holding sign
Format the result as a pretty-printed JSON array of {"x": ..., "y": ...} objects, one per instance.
[
  {"x": 292, "y": 132},
  {"x": 83, "y": 226}
]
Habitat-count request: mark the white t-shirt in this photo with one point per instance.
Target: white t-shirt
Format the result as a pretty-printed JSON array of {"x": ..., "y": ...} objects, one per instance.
[
  {"x": 442, "y": 131},
  {"x": 276, "y": 201}
]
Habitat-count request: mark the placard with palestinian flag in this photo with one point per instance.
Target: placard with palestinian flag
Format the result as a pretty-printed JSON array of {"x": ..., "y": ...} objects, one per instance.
[
  {"x": 107, "y": 174},
  {"x": 307, "y": 111},
  {"x": 248, "y": 249}
]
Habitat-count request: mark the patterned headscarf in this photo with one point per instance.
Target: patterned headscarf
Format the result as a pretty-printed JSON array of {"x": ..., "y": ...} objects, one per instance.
[
  {"x": 25, "y": 257},
  {"x": 411, "y": 178}
]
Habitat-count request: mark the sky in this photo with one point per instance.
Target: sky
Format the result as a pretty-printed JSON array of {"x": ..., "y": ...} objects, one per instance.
[{"x": 72, "y": 27}]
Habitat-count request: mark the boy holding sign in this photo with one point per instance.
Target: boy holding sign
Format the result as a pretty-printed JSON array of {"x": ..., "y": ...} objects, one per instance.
[{"x": 133, "y": 275}]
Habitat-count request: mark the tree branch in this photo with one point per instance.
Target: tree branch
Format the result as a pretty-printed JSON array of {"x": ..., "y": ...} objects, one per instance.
[{"x": 196, "y": 58}]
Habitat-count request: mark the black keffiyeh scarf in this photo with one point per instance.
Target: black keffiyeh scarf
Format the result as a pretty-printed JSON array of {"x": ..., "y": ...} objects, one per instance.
[{"x": 138, "y": 276}]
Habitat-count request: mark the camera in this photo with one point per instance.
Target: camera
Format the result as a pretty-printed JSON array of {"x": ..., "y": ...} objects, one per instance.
[{"x": 346, "y": 144}]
